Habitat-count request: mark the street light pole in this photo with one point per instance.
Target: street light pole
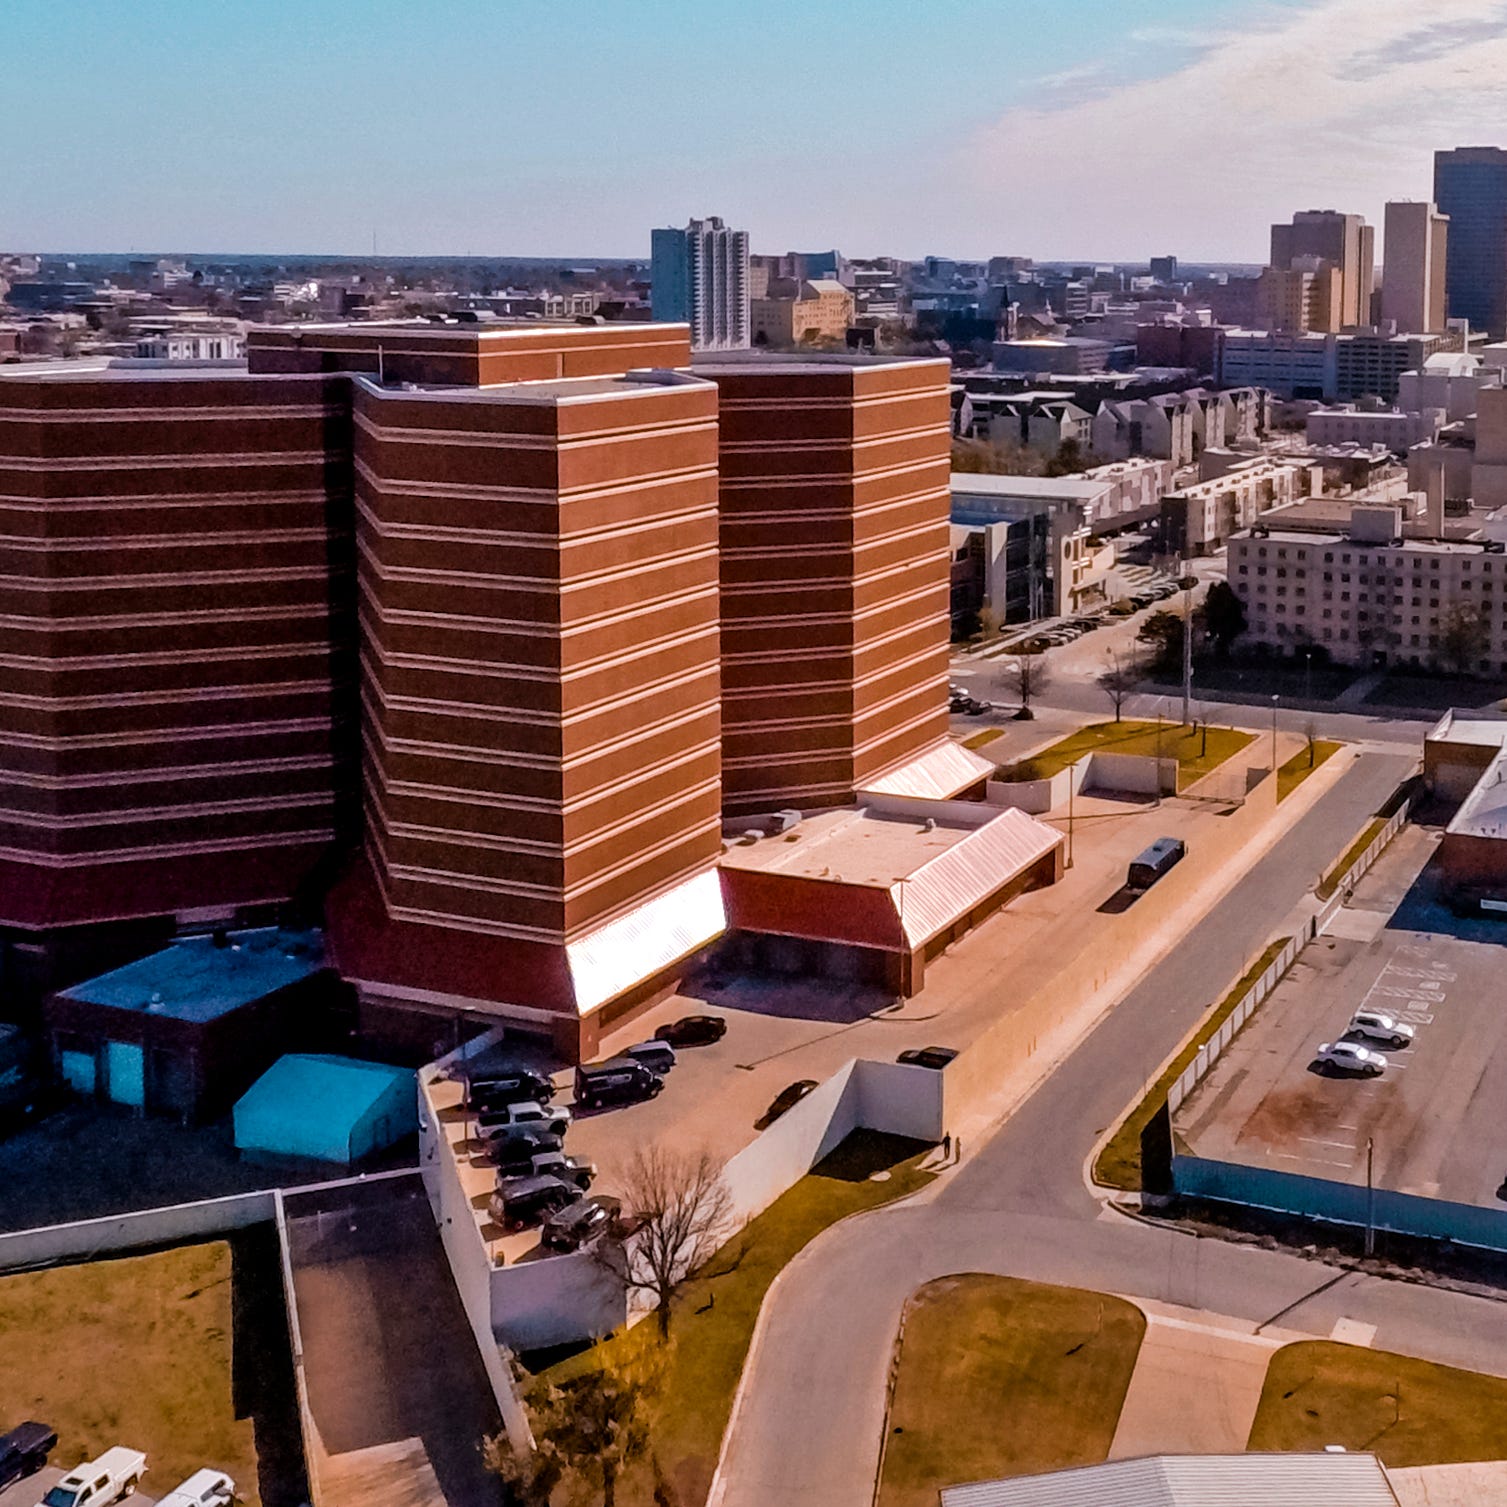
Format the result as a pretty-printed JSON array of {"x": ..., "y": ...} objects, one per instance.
[
  {"x": 1070, "y": 816},
  {"x": 1274, "y": 732},
  {"x": 1187, "y": 649}
]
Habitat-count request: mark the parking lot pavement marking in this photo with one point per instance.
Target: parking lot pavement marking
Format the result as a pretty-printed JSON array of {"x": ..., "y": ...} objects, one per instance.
[
  {"x": 1313, "y": 1140},
  {"x": 1352, "y": 1332}
]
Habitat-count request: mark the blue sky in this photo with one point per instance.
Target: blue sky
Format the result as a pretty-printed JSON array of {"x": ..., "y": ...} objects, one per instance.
[{"x": 1093, "y": 128}]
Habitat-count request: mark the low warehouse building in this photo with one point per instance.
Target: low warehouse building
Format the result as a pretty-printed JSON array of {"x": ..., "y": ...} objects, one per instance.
[
  {"x": 1466, "y": 760},
  {"x": 327, "y": 1109},
  {"x": 185, "y": 1030},
  {"x": 873, "y": 894}
]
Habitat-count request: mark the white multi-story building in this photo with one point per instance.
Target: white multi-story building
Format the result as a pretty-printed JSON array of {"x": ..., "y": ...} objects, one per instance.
[
  {"x": 1199, "y": 518},
  {"x": 700, "y": 278},
  {"x": 1290, "y": 364},
  {"x": 1369, "y": 596},
  {"x": 1449, "y": 380},
  {"x": 1349, "y": 424}
]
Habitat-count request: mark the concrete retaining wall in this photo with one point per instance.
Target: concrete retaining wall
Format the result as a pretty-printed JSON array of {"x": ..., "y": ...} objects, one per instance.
[
  {"x": 1131, "y": 774},
  {"x": 87, "y": 1238},
  {"x": 554, "y": 1301},
  {"x": 311, "y": 1452},
  {"x": 1339, "y": 1203}
]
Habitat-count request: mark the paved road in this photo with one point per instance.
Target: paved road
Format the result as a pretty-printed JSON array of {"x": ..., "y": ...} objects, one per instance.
[{"x": 807, "y": 1426}]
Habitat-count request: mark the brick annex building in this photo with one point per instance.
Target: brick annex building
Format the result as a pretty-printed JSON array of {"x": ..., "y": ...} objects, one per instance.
[{"x": 448, "y": 631}]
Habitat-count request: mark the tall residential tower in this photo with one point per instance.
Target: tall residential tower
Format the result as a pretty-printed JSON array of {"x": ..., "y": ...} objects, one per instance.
[
  {"x": 1414, "y": 258},
  {"x": 700, "y": 278}
]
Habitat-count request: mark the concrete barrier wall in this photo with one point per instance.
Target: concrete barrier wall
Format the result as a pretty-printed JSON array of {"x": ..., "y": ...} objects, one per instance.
[
  {"x": 85, "y": 1239},
  {"x": 555, "y": 1300},
  {"x": 313, "y": 1457},
  {"x": 470, "y": 1262},
  {"x": 1136, "y": 774},
  {"x": 1035, "y": 797},
  {"x": 901, "y": 1099},
  {"x": 1339, "y": 1203}
]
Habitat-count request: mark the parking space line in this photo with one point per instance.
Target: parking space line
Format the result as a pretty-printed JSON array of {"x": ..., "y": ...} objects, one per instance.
[{"x": 1314, "y": 1140}]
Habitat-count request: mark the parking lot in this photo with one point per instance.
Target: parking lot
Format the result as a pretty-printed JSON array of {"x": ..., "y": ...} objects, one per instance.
[
  {"x": 29, "y": 1493},
  {"x": 1434, "y": 1116},
  {"x": 786, "y": 1030}
]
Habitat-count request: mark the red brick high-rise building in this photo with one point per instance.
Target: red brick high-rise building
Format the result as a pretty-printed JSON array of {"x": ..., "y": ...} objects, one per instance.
[
  {"x": 834, "y": 499},
  {"x": 569, "y": 672}
]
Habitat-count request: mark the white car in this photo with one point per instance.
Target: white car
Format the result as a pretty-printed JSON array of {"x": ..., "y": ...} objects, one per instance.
[
  {"x": 1349, "y": 1057},
  {"x": 205, "y": 1488},
  {"x": 1386, "y": 1030},
  {"x": 526, "y": 1112}
]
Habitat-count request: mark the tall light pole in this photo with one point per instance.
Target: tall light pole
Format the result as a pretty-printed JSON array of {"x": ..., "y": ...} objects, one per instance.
[
  {"x": 1274, "y": 732},
  {"x": 1370, "y": 1199},
  {"x": 1187, "y": 583},
  {"x": 1308, "y": 674}
]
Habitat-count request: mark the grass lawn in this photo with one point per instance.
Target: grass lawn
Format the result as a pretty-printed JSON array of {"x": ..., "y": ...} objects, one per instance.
[
  {"x": 979, "y": 739},
  {"x": 1302, "y": 764},
  {"x": 714, "y": 1315},
  {"x": 1196, "y": 754},
  {"x": 1407, "y": 1411},
  {"x": 1001, "y": 1377},
  {"x": 134, "y": 1351},
  {"x": 1331, "y": 880},
  {"x": 1118, "y": 1165}
]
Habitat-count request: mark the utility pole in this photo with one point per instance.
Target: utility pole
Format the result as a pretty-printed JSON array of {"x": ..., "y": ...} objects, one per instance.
[
  {"x": 1274, "y": 732},
  {"x": 1370, "y": 1199},
  {"x": 1070, "y": 816}
]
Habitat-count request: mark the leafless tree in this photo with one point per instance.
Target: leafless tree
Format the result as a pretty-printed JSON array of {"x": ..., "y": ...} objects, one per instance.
[
  {"x": 683, "y": 1213},
  {"x": 1027, "y": 675},
  {"x": 989, "y": 622},
  {"x": 1118, "y": 679},
  {"x": 1463, "y": 637}
]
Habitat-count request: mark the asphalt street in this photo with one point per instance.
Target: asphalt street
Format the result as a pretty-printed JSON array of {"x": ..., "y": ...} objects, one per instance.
[{"x": 808, "y": 1420}]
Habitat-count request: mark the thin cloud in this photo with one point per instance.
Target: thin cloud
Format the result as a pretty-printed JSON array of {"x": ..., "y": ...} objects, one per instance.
[{"x": 1339, "y": 104}]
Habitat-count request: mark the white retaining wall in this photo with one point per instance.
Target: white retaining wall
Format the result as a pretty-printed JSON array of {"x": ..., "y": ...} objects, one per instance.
[
  {"x": 87, "y": 1238},
  {"x": 1135, "y": 774},
  {"x": 555, "y": 1300}
]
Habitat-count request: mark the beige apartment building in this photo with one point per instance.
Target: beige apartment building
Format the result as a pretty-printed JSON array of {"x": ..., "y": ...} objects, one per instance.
[
  {"x": 1307, "y": 296},
  {"x": 1368, "y": 595},
  {"x": 1343, "y": 242},
  {"x": 798, "y": 313},
  {"x": 1198, "y": 519},
  {"x": 1414, "y": 250}
]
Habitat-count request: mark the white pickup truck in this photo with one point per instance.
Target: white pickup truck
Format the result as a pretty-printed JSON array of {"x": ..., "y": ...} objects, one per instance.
[
  {"x": 205, "y": 1488},
  {"x": 117, "y": 1473}
]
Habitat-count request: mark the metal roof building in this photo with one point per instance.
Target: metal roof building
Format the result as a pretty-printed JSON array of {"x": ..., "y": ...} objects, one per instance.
[{"x": 1255, "y": 1480}]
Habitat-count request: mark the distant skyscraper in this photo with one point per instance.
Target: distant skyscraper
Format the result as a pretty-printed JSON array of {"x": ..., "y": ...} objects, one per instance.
[
  {"x": 1164, "y": 268},
  {"x": 1470, "y": 186},
  {"x": 1345, "y": 242},
  {"x": 700, "y": 277},
  {"x": 1413, "y": 263}
]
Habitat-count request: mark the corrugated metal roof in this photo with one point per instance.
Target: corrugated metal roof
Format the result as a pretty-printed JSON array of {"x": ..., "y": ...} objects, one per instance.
[
  {"x": 1260, "y": 1480},
  {"x": 634, "y": 947},
  {"x": 952, "y": 883},
  {"x": 936, "y": 775}
]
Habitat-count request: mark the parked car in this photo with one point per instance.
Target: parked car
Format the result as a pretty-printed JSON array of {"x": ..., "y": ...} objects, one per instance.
[
  {"x": 784, "y": 1102},
  {"x": 693, "y": 1031},
  {"x": 523, "y": 1201},
  {"x": 515, "y": 1150},
  {"x": 205, "y": 1488},
  {"x": 1350, "y": 1057},
  {"x": 617, "y": 1081},
  {"x": 24, "y": 1451},
  {"x": 580, "y": 1223},
  {"x": 526, "y": 1112},
  {"x": 656, "y": 1055},
  {"x": 1142, "y": 599},
  {"x": 932, "y": 1057},
  {"x": 507, "y": 1085},
  {"x": 1386, "y": 1030},
  {"x": 115, "y": 1474},
  {"x": 1151, "y": 865}
]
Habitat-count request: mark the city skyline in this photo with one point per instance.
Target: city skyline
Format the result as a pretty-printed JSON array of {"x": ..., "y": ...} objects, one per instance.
[{"x": 274, "y": 145}]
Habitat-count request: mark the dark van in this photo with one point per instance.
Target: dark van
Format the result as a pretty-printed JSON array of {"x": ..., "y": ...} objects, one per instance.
[
  {"x": 618, "y": 1081},
  {"x": 507, "y": 1085},
  {"x": 1155, "y": 861}
]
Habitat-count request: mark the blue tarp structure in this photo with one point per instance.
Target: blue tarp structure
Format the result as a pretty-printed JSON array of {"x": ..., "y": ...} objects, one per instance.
[{"x": 331, "y": 1109}]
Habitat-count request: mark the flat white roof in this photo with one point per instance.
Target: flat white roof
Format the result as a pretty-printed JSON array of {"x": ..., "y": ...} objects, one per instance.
[
  {"x": 1072, "y": 488},
  {"x": 1483, "y": 813}
]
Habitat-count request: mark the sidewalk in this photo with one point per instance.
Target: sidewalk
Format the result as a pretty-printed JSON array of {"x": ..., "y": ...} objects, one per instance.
[{"x": 1196, "y": 1385}]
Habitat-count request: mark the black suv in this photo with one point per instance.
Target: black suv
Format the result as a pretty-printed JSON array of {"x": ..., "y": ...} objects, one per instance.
[
  {"x": 578, "y": 1224},
  {"x": 24, "y": 1451},
  {"x": 618, "y": 1081},
  {"x": 522, "y": 1201}
]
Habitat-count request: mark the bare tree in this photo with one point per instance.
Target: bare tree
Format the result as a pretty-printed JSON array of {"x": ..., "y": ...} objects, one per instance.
[
  {"x": 1027, "y": 675},
  {"x": 683, "y": 1212},
  {"x": 1311, "y": 735},
  {"x": 1118, "y": 679},
  {"x": 989, "y": 622}
]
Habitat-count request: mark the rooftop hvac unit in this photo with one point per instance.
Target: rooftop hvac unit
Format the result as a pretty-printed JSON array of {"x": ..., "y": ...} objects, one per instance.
[
  {"x": 751, "y": 836},
  {"x": 785, "y": 821}
]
